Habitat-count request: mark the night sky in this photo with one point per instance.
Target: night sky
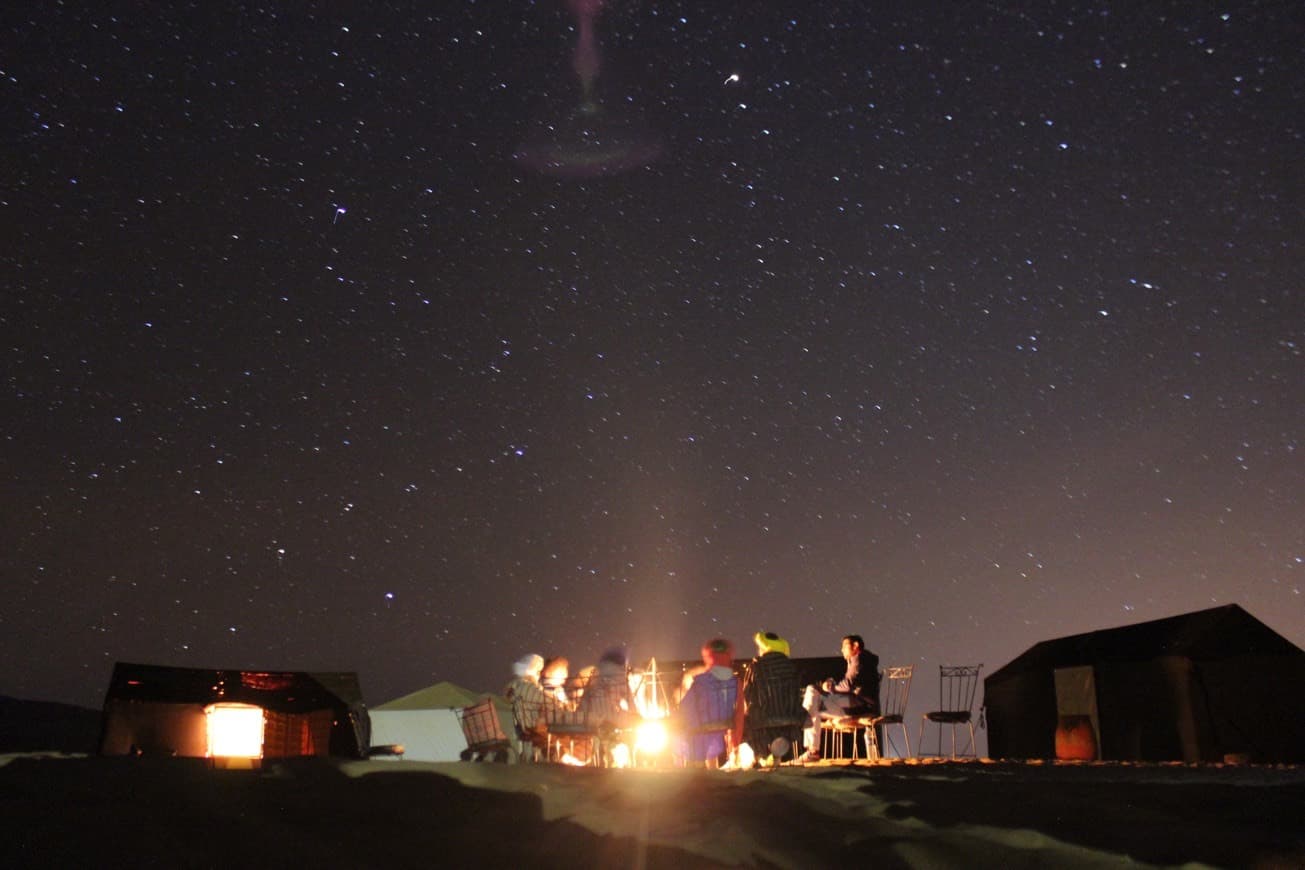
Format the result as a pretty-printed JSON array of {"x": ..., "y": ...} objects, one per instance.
[{"x": 957, "y": 325}]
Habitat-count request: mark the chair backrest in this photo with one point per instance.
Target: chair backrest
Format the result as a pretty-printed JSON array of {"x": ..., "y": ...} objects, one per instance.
[
  {"x": 527, "y": 712},
  {"x": 956, "y": 687},
  {"x": 481, "y": 725},
  {"x": 603, "y": 699},
  {"x": 896, "y": 690},
  {"x": 775, "y": 696},
  {"x": 709, "y": 703}
]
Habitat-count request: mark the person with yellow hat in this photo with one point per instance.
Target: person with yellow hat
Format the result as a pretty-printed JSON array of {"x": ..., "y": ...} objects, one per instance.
[{"x": 768, "y": 715}]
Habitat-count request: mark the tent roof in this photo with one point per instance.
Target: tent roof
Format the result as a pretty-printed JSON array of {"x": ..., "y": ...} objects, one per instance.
[
  {"x": 444, "y": 695},
  {"x": 1216, "y": 633},
  {"x": 285, "y": 691}
]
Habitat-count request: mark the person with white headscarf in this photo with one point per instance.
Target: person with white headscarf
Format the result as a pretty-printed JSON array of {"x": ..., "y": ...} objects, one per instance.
[{"x": 528, "y": 699}]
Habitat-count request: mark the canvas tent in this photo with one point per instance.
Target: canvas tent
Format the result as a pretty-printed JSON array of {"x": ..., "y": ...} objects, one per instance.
[
  {"x": 1195, "y": 687},
  {"x": 425, "y": 722},
  {"x": 159, "y": 710}
]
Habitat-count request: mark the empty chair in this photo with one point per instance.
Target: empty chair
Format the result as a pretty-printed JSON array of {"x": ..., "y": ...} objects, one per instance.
[
  {"x": 484, "y": 730},
  {"x": 956, "y": 687},
  {"x": 896, "y": 691}
]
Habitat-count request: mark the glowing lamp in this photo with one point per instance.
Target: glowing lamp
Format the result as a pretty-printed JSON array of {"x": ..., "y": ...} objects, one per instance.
[{"x": 234, "y": 730}]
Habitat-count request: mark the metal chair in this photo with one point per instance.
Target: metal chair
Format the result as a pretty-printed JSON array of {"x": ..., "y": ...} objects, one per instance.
[
  {"x": 705, "y": 713},
  {"x": 833, "y": 730},
  {"x": 772, "y": 700},
  {"x": 956, "y": 687},
  {"x": 896, "y": 691},
  {"x": 483, "y": 730},
  {"x": 529, "y": 724},
  {"x": 605, "y": 708}
]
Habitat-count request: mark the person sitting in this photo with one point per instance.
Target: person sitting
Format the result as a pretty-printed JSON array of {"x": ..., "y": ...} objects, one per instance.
[
  {"x": 607, "y": 697},
  {"x": 554, "y": 679},
  {"x": 709, "y": 700},
  {"x": 607, "y": 705},
  {"x": 768, "y": 712},
  {"x": 857, "y": 694},
  {"x": 528, "y": 701}
]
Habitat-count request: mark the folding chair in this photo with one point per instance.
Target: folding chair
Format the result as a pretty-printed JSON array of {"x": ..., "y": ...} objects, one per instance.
[{"x": 956, "y": 687}]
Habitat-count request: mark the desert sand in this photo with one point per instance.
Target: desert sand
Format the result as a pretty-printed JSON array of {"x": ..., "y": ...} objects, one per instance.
[{"x": 77, "y": 811}]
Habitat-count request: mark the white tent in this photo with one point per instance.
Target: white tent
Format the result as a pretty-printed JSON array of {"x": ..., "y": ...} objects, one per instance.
[{"x": 426, "y": 721}]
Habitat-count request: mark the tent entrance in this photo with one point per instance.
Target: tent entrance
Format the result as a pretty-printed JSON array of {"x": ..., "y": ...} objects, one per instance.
[
  {"x": 234, "y": 730},
  {"x": 1076, "y": 700}
]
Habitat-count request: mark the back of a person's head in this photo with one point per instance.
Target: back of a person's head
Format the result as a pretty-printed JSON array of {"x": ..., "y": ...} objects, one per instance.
[
  {"x": 769, "y": 642},
  {"x": 718, "y": 652}
]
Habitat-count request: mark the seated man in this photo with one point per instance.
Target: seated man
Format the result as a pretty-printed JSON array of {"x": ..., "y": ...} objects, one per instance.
[
  {"x": 857, "y": 694},
  {"x": 557, "y": 672},
  {"x": 706, "y": 710},
  {"x": 768, "y": 715},
  {"x": 528, "y": 700},
  {"x": 606, "y": 708}
]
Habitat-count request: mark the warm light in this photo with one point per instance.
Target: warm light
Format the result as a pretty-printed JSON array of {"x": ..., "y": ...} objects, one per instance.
[
  {"x": 650, "y": 736},
  {"x": 234, "y": 730},
  {"x": 620, "y": 756},
  {"x": 570, "y": 759}
]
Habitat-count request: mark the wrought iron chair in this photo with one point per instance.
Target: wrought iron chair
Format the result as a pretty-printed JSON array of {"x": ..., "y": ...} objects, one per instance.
[
  {"x": 895, "y": 693},
  {"x": 604, "y": 708},
  {"x": 895, "y": 690},
  {"x": 483, "y": 730},
  {"x": 956, "y": 688},
  {"x": 704, "y": 714},
  {"x": 772, "y": 702},
  {"x": 530, "y": 724},
  {"x": 833, "y": 730}
]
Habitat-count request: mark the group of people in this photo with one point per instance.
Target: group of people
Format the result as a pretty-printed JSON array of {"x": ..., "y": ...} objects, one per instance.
[
  {"x": 543, "y": 691},
  {"x": 720, "y": 718}
]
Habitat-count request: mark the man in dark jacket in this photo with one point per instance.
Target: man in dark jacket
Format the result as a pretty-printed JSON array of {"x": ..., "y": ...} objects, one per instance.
[{"x": 857, "y": 694}]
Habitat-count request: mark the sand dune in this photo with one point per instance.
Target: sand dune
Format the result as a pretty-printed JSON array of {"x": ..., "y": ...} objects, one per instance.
[{"x": 180, "y": 813}]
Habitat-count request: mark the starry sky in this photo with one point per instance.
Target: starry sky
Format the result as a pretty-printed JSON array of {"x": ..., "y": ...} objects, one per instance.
[{"x": 958, "y": 325}]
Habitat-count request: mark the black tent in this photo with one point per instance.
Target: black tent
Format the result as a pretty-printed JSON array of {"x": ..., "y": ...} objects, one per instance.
[
  {"x": 1196, "y": 687},
  {"x": 158, "y": 710}
]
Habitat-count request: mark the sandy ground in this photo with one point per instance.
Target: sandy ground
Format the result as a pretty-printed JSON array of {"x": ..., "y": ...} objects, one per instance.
[{"x": 62, "y": 811}]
